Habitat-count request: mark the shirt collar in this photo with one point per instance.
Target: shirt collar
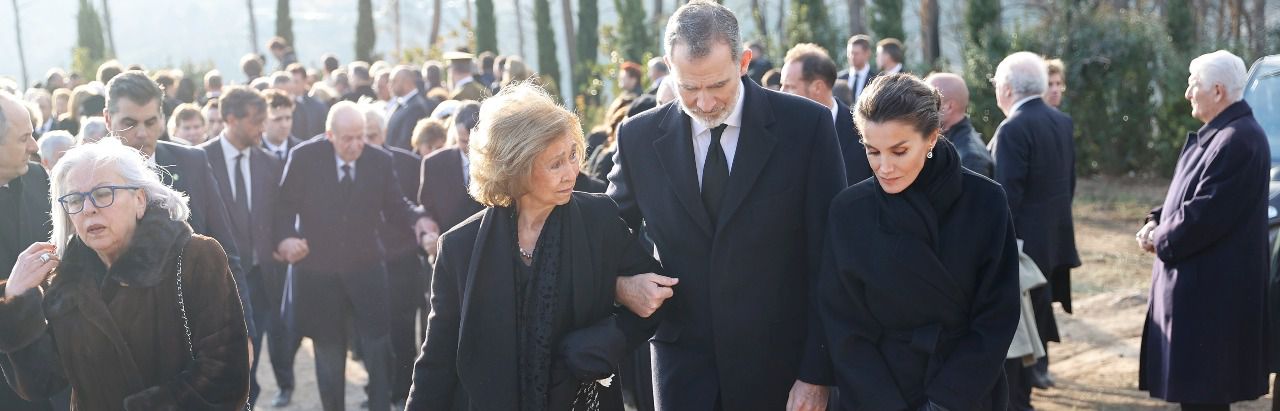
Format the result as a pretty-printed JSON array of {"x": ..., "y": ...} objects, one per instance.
[
  {"x": 835, "y": 110},
  {"x": 230, "y": 149},
  {"x": 734, "y": 119},
  {"x": 274, "y": 148},
  {"x": 896, "y": 69},
  {"x": 402, "y": 100},
  {"x": 1018, "y": 104}
]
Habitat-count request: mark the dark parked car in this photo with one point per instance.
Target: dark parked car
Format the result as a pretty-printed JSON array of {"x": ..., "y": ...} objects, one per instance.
[{"x": 1262, "y": 91}]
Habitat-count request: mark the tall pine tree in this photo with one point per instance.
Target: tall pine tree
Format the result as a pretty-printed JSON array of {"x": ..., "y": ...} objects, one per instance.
[
  {"x": 1181, "y": 24},
  {"x": 365, "y": 36},
  {"x": 886, "y": 19},
  {"x": 548, "y": 63},
  {"x": 985, "y": 46},
  {"x": 90, "y": 48},
  {"x": 809, "y": 23},
  {"x": 633, "y": 31},
  {"x": 588, "y": 43},
  {"x": 284, "y": 22},
  {"x": 486, "y": 27}
]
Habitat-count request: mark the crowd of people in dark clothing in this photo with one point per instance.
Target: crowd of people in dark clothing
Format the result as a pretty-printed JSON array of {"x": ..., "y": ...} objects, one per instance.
[{"x": 730, "y": 236}]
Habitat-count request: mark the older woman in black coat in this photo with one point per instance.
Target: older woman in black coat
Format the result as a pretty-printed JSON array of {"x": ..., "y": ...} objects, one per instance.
[
  {"x": 919, "y": 288},
  {"x": 523, "y": 315},
  {"x": 1204, "y": 341}
]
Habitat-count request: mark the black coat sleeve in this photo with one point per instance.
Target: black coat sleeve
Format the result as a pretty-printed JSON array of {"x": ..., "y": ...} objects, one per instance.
[
  {"x": 826, "y": 179},
  {"x": 435, "y": 375},
  {"x": 289, "y": 199},
  {"x": 1011, "y": 152},
  {"x": 620, "y": 187},
  {"x": 1216, "y": 206}
]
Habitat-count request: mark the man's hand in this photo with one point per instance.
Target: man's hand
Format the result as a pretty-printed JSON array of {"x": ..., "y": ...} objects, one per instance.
[
  {"x": 1146, "y": 237},
  {"x": 644, "y": 293},
  {"x": 808, "y": 397},
  {"x": 291, "y": 250},
  {"x": 427, "y": 232}
]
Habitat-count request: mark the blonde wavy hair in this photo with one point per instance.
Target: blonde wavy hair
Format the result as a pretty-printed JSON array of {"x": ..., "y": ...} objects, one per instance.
[{"x": 515, "y": 126}]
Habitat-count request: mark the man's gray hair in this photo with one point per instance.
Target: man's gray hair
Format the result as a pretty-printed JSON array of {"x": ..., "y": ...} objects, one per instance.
[
  {"x": 1025, "y": 72},
  {"x": 128, "y": 163},
  {"x": 135, "y": 86},
  {"x": 93, "y": 129},
  {"x": 1221, "y": 67},
  {"x": 53, "y": 141},
  {"x": 699, "y": 25},
  {"x": 4, "y": 119}
]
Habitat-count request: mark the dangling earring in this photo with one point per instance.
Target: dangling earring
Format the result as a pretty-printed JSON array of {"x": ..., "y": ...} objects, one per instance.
[{"x": 930, "y": 154}]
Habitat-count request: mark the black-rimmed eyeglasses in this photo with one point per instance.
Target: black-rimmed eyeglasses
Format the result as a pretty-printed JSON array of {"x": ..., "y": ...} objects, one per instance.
[{"x": 101, "y": 197}]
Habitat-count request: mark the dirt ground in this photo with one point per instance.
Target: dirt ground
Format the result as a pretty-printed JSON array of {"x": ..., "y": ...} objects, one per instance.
[{"x": 1096, "y": 366}]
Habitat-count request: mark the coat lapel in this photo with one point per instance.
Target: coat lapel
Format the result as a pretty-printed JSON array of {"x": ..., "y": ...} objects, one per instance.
[
  {"x": 164, "y": 159},
  {"x": 755, "y": 145},
  {"x": 486, "y": 333},
  {"x": 675, "y": 152}
]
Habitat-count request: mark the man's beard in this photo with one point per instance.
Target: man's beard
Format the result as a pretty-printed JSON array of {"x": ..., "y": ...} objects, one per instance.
[{"x": 711, "y": 122}]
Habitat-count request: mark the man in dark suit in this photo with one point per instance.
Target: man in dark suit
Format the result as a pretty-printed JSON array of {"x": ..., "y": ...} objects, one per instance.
[
  {"x": 407, "y": 278},
  {"x": 809, "y": 72},
  {"x": 361, "y": 83},
  {"x": 657, "y": 72},
  {"x": 309, "y": 113},
  {"x": 732, "y": 184},
  {"x": 956, "y": 126},
  {"x": 133, "y": 111},
  {"x": 282, "y": 343},
  {"x": 860, "y": 73},
  {"x": 340, "y": 192},
  {"x": 410, "y": 106},
  {"x": 891, "y": 56},
  {"x": 24, "y": 210},
  {"x": 250, "y": 176},
  {"x": 442, "y": 188},
  {"x": 1035, "y": 162}
]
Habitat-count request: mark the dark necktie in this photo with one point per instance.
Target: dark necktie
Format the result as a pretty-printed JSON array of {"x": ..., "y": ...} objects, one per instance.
[
  {"x": 346, "y": 181},
  {"x": 715, "y": 175},
  {"x": 280, "y": 154},
  {"x": 857, "y": 85},
  {"x": 242, "y": 193}
]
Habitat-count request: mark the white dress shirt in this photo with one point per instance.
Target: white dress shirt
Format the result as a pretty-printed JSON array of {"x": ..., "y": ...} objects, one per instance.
[
  {"x": 229, "y": 153},
  {"x": 895, "y": 70},
  {"x": 466, "y": 169},
  {"x": 728, "y": 140},
  {"x": 281, "y": 151},
  {"x": 835, "y": 110},
  {"x": 860, "y": 80}
]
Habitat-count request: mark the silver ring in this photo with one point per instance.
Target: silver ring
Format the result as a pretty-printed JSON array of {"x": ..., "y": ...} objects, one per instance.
[{"x": 44, "y": 258}]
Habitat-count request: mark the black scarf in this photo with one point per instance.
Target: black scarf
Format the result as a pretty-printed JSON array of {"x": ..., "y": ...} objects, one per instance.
[
  {"x": 917, "y": 210},
  {"x": 536, "y": 305}
]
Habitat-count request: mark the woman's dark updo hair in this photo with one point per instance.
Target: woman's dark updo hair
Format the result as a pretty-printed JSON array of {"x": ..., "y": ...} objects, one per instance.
[{"x": 900, "y": 97}]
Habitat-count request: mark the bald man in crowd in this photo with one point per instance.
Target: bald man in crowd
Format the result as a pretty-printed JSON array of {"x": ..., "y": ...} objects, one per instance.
[
  {"x": 956, "y": 126},
  {"x": 340, "y": 192},
  {"x": 409, "y": 106}
]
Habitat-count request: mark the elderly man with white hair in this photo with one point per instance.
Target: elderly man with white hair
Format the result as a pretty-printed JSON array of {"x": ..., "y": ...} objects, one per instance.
[
  {"x": 1204, "y": 341},
  {"x": 52, "y": 146},
  {"x": 1035, "y": 162},
  {"x": 93, "y": 129}
]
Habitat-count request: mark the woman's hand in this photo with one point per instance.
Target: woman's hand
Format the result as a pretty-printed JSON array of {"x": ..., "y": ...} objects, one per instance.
[{"x": 31, "y": 269}]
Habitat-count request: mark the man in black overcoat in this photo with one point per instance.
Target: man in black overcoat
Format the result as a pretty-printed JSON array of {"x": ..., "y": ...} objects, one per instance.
[
  {"x": 410, "y": 106},
  {"x": 809, "y": 72},
  {"x": 1035, "y": 162},
  {"x": 732, "y": 184}
]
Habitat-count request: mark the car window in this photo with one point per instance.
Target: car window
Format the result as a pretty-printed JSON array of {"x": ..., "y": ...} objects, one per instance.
[{"x": 1263, "y": 95}]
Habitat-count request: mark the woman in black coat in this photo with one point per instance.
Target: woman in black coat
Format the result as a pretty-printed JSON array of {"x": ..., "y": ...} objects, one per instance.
[
  {"x": 919, "y": 287},
  {"x": 523, "y": 315}
]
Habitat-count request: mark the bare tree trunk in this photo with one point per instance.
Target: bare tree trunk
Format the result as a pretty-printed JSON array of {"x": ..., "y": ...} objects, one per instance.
[
  {"x": 1235, "y": 20},
  {"x": 22, "y": 55},
  {"x": 435, "y": 24},
  {"x": 657, "y": 12},
  {"x": 519, "y": 25},
  {"x": 253, "y": 27},
  {"x": 111, "y": 37},
  {"x": 395, "y": 26},
  {"x": 762, "y": 23},
  {"x": 571, "y": 41},
  {"x": 1258, "y": 32},
  {"x": 857, "y": 24},
  {"x": 1222, "y": 20},
  {"x": 929, "y": 32}
]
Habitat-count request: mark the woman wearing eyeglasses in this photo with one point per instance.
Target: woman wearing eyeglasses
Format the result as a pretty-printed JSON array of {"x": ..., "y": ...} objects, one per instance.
[{"x": 124, "y": 304}]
